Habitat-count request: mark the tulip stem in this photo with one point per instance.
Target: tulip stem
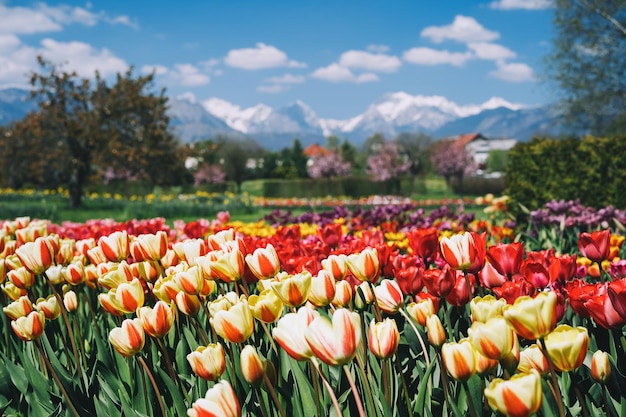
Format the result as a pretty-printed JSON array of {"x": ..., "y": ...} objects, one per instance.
[
  {"x": 70, "y": 332},
  {"x": 444, "y": 378},
  {"x": 333, "y": 397},
  {"x": 154, "y": 384},
  {"x": 263, "y": 406},
  {"x": 56, "y": 378},
  {"x": 355, "y": 392},
  {"x": 170, "y": 367},
  {"x": 557, "y": 390},
  {"x": 470, "y": 400},
  {"x": 316, "y": 389},
  {"x": 366, "y": 385},
  {"x": 405, "y": 389},
  {"x": 419, "y": 337},
  {"x": 272, "y": 391},
  {"x": 269, "y": 336}
]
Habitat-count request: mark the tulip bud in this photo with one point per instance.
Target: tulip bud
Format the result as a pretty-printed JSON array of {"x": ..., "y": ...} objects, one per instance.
[
  {"x": 149, "y": 247},
  {"x": 293, "y": 290},
  {"x": 49, "y": 306},
  {"x": 519, "y": 396},
  {"x": 115, "y": 246},
  {"x": 322, "y": 289},
  {"x": 343, "y": 294},
  {"x": 533, "y": 358},
  {"x": 533, "y": 318},
  {"x": 18, "y": 308},
  {"x": 21, "y": 278},
  {"x": 493, "y": 339},
  {"x": 128, "y": 339},
  {"x": 336, "y": 266},
  {"x": 383, "y": 338},
  {"x": 208, "y": 362},
  {"x": 567, "y": 346},
  {"x": 36, "y": 256},
  {"x": 484, "y": 308},
  {"x": 363, "y": 295},
  {"x": 421, "y": 310},
  {"x": 266, "y": 307},
  {"x": 29, "y": 327},
  {"x": 290, "y": 330},
  {"x": 130, "y": 295},
  {"x": 364, "y": 265},
  {"x": 70, "y": 301},
  {"x": 458, "y": 250},
  {"x": 220, "y": 400},
  {"x": 235, "y": 324},
  {"x": 335, "y": 343},
  {"x": 459, "y": 359},
  {"x": 264, "y": 262},
  {"x": 600, "y": 366},
  {"x": 252, "y": 365},
  {"x": 157, "y": 321},
  {"x": 435, "y": 331},
  {"x": 187, "y": 304},
  {"x": 389, "y": 296}
]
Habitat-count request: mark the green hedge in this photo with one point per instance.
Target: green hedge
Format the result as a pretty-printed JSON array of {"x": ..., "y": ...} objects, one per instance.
[
  {"x": 309, "y": 188},
  {"x": 590, "y": 169}
]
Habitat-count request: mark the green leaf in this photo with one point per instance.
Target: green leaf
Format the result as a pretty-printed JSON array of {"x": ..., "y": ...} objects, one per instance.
[
  {"x": 421, "y": 393},
  {"x": 16, "y": 373},
  {"x": 174, "y": 392},
  {"x": 306, "y": 393},
  {"x": 548, "y": 406}
]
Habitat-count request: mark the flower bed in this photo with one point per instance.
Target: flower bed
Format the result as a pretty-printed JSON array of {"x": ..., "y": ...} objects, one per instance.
[{"x": 364, "y": 312}]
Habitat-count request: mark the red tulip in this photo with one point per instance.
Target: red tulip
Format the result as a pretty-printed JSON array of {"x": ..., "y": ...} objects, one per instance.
[
  {"x": 439, "y": 282},
  {"x": 617, "y": 294},
  {"x": 601, "y": 308},
  {"x": 506, "y": 258},
  {"x": 408, "y": 272},
  {"x": 424, "y": 243},
  {"x": 596, "y": 245}
]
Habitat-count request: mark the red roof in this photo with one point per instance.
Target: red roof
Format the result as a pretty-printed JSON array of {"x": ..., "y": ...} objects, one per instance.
[
  {"x": 315, "y": 150},
  {"x": 464, "y": 140}
]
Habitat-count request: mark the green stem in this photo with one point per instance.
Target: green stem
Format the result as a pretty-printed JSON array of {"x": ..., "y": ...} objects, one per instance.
[
  {"x": 263, "y": 406},
  {"x": 557, "y": 390},
  {"x": 272, "y": 391},
  {"x": 316, "y": 390},
  {"x": 365, "y": 380},
  {"x": 355, "y": 392},
  {"x": 419, "y": 336},
  {"x": 333, "y": 397},
  {"x": 154, "y": 384},
  {"x": 385, "y": 363},
  {"x": 444, "y": 379},
  {"x": 405, "y": 389},
  {"x": 170, "y": 367},
  {"x": 470, "y": 400},
  {"x": 56, "y": 378},
  {"x": 70, "y": 333}
]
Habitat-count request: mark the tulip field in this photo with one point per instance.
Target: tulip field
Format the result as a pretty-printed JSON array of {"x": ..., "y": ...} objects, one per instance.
[{"x": 382, "y": 311}]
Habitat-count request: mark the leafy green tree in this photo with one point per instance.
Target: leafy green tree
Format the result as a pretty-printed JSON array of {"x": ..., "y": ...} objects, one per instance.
[
  {"x": 238, "y": 158},
  {"x": 497, "y": 160},
  {"x": 587, "y": 62},
  {"x": 84, "y": 128}
]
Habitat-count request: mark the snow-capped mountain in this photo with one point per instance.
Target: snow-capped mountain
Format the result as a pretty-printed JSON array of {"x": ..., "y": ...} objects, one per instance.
[{"x": 393, "y": 114}]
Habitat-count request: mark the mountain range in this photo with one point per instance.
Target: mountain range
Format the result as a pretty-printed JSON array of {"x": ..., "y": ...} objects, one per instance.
[{"x": 391, "y": 115}]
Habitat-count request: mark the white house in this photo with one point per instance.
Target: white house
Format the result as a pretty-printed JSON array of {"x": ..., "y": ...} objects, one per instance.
[{"x": 479, "y": 146}]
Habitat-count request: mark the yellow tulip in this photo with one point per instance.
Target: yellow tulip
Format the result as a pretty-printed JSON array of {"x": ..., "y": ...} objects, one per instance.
[
  {"x": 567, "y": 346},
  {"x": 519, "y": 396}
]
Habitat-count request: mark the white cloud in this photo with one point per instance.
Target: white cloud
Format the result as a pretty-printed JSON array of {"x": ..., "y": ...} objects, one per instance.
[
  {"x": 271, "y": 89},
  {"x": 287, "y": 79},
  {"x": 18, "y": 60},
  {"x": 188, "y": 75},
  {"x": 463, "y": 29},
  {"x": 260, "y": 57},
  {"x": 491, "y": 51},
  {"x": 521, "y": 4},
  {"x": 368, "y": 61},
  {"x": 337, "y": 73},
  {"x": 43, "y": 18},
  {"x": 429, "y": 56},
  {"x": 157, "y": 69},
  {"x": 378, "y": 49},
  {"x": 188, "y": 96},
  {"x": 514, "y": 72}
]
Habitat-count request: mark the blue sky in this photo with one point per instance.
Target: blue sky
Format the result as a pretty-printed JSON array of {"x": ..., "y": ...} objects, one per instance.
[{"x": 336, "y": 56}]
